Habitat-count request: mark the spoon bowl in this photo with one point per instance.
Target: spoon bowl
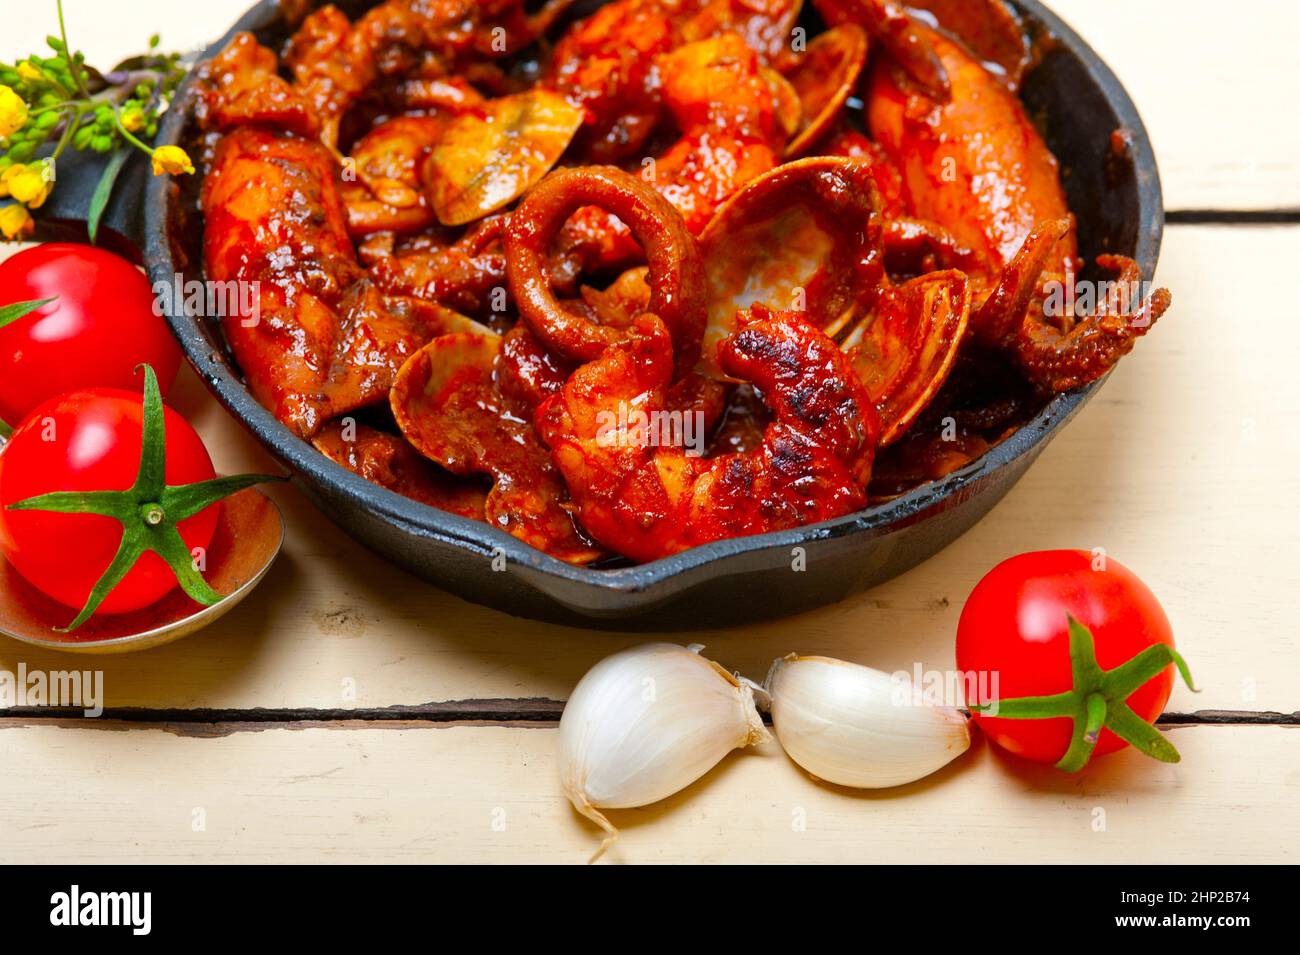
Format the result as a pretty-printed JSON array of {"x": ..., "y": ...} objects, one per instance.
[{"x": 249, "y": 517}]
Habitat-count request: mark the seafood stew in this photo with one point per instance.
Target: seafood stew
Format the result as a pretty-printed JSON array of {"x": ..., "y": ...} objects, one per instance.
[{"x": 473, "y": 264}]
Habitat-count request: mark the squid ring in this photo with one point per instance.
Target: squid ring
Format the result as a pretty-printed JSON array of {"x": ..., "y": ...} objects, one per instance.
[{"x": 676, "y": 279}]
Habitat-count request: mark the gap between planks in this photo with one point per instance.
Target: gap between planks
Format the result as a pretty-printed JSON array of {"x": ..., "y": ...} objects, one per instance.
[
  {"x": 1201, "y": 217},
  {"x": 535, "y": 712}
]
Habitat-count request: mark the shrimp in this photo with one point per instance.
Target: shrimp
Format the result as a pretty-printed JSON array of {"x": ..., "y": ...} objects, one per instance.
[
  {"x": 720, "y": 100},
  {"x": 647, "y": 501},
  {"x": 608, "y": 63},
  {"x": 766, "y": 25},
  {"x": 975, "y": 165}
]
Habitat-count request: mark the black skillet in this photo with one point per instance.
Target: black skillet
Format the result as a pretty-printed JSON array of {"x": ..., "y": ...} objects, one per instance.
[{"x": 1071, "y": 93}]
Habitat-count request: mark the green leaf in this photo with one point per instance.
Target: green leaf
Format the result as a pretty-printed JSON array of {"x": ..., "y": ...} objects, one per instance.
[
  {"x": 108, "y": 503},
  {"x": 103, "y": 191},
  {"x": 1031, "y": 707},
  {"x": 1183, "y": 670},
  {"x": 1083, "y": 657},
  {"x": 149, "y": 483},
  {"x": 11, "y": 313},
  {"x": 186, "y": 500},
  {"x": 128, "y": 552},
  {"x": 1128, "y": 726},
  {"x": 1083, "y": 739},
  {"x": 170, "y": 546},
  {"x": 1123, "y": 680}
]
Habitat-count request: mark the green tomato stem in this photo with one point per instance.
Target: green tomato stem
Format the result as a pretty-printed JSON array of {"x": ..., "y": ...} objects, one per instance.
[
  {"x": 1096, "y": 700},
  {"x": 152, "y": 514}
]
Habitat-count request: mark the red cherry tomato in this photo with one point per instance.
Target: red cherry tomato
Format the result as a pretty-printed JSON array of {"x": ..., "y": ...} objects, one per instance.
[
  {"x": 1015, "y": 625},
  {"x": 90, "y": 441},
  {"x": 100, "y": 328}
]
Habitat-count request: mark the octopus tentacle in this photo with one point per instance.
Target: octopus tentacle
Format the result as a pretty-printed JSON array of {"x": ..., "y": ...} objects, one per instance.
[{"x": 1055, "y": 360}]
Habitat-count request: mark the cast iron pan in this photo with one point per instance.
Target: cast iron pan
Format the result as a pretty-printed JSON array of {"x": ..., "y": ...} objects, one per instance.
[{"x": 1078, "y": 102}]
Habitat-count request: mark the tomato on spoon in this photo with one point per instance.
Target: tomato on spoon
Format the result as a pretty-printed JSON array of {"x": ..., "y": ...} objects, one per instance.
[
  {"x": 107, "y": 500},
  {"x": 1082, "y": 652}
]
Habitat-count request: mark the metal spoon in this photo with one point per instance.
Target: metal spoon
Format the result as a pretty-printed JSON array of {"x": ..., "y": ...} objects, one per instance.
[{"x": 250, "y": 518}]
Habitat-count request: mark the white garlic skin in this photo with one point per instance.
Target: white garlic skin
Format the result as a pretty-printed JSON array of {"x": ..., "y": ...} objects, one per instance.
[
  {"x": 646, "y": 723},
  {"x": 843, "y": 723}
]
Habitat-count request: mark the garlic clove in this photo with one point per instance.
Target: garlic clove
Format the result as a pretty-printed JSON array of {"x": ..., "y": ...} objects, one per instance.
[
  {"x": 855, "y": 726},
  {"x": 646, "y": 723}
]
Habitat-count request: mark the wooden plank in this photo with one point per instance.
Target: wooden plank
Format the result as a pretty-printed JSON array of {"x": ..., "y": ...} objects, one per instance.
[
  {"x": 1184, "y": 468},
  {"x": 1204, "y": 78},
  {"x": 475, "y": 794}
]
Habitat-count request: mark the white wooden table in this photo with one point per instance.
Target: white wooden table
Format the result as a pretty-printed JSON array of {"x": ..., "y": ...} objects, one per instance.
[{"x": 232, "y": 744}]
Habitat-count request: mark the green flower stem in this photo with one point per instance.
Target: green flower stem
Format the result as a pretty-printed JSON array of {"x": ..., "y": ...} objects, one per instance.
[
  {"x": 126, "y": 133},
  {"x": 69, "y": 130},
  {"x": 111, "y": 96},
  {"x": 66, "y": 104},
  {"x": 74, "y": 69},
  {"x": 1096, "y": 700},
  {"x": 148, "y": 511}
]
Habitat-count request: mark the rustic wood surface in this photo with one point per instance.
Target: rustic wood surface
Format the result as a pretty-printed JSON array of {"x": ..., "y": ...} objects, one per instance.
[
  {"x": 325, "y": 719},
  {"x": 406, "y": 793}
]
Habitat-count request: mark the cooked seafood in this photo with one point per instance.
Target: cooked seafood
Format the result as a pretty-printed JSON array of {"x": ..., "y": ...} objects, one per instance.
[
  {"x": 645, "y": 500},
  {"x": 671, "y": 272}
]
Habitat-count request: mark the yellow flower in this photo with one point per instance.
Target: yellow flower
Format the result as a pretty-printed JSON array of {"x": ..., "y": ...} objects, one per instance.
[
  {"x": 16, "y": 222},
  {"x": 171, "y": 160},
  {"x": 13, "y": 112},
  {"x": 30, "y": 185},
  {"x": 133, "y": 119},
  {"x": 10, "y": 172},
  {"x": 30, "y": 72}
]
